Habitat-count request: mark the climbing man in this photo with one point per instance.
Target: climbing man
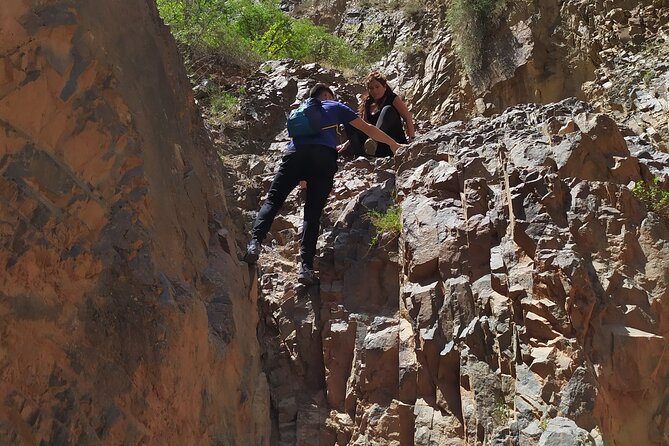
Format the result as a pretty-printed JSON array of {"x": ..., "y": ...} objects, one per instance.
[{"x": 311, "y": 158}]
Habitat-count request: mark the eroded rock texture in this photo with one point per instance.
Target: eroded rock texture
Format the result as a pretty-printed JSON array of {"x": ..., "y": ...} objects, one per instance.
[
  {"x": 542, "y": 52},
  {"x": 612, "y": 52},
  {"x": 524, "y": 301},
  {"x": 551, "y": 295},
  {"x": 126, "y": 317}
]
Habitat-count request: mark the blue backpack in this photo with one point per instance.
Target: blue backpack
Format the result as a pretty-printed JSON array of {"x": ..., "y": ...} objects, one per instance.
[{"x": 307, "y": 119}]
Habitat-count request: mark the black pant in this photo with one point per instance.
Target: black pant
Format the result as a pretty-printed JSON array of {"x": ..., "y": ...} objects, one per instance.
[
  {"x": 388, "y": 120},
  {"x": 317, "y": 165}
]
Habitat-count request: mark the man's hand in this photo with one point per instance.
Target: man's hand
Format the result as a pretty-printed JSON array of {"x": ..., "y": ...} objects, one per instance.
[
  {"x": 401, "y": 148},
  {"x": 394, "y": 147}
]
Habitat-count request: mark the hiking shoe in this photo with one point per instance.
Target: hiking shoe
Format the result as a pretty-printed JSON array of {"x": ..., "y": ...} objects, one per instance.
[
  {"x": 370, "y": 147},
  {"x": 252, "y": 252},
  {"x": 307, "y": 276}
]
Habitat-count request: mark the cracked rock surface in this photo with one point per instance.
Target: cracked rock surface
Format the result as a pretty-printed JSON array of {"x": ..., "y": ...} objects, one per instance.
[{"x": 525, "y": 280}]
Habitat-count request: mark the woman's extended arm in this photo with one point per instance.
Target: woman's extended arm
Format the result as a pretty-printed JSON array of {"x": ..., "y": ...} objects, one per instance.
[
  {"x": 375, "y": 133},
  {"x": 404, "y": 112}
]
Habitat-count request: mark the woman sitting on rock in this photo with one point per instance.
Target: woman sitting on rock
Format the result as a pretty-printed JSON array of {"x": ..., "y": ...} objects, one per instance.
[{"x": 383, "y": 109}]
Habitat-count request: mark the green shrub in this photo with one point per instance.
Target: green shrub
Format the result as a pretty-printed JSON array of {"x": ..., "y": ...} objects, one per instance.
[
  {"x": 500, "y": 413},
  {"x": 414, "y": 8},
  {"x": 249, "y": 30},
  {"x": 223, "y": 105},
  {"x": 653, "y": 197},
  {"x": 470, "y": 22},
  {"x": 385, "y": 222},
  {"x": 647, "y": 76},
  {"x": 222, "y": 102},
  {"x": 543, "y": 424}
]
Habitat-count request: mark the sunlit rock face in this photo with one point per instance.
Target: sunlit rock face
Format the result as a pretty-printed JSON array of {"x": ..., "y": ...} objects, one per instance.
[
  {"x": 546, "y": 275},
  {"x": 525, "y": 276},
  {"x": 523, "y": 301},
  {"x": 126, "y": 317},
  {"x": 611, "y": 52}
]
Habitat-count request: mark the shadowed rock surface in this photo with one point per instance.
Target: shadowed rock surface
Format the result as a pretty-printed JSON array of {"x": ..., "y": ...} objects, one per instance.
[{"x": 126, "y": 317}]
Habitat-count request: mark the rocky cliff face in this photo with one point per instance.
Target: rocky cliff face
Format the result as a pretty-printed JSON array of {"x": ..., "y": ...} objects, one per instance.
[
  {"x": 542, "y": 255},
  {"x": 541, "y": 52},
  {"x": 524, "y": 301},
  {"x": 126, "y": 317}
]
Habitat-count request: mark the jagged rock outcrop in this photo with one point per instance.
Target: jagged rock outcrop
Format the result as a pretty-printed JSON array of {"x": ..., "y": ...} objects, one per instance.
[
  {"x": 525, "y": 282},
  {"x": 330, "y": 348},
  {"x": 633, "y": 82},
  {"x": 547, "y": 277},
  {"x": 543, "y": 52},
  {"x": 527, "y": 278},
  {"x": 126, "y": 317},
  {"x": 523, "y": 302},
  {"x": 611, "y": 52}
]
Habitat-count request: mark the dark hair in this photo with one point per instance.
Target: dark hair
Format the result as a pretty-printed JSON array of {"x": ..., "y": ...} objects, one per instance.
[
  {"x": 367, "y": 98},
  {"x": 318, "y": 90}
]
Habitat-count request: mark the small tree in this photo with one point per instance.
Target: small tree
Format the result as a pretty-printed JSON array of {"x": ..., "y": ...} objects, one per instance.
[
  {"x": 253, "y": 30},
  {"x": 385, "y": 222},
  {"x": 653, "y": 196}
]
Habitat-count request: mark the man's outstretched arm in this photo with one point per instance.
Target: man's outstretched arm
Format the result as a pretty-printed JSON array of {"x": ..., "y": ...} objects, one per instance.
[{"x": 375, "y": 133}]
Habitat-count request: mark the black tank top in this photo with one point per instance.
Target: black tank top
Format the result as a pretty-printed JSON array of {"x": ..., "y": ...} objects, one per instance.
[
  {"x": 388, "y": 99},
  {"x": 395, "y": 132}
]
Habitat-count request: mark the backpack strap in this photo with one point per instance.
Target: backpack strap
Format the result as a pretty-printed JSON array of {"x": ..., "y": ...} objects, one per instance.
[{"x": 333, "y": 126}]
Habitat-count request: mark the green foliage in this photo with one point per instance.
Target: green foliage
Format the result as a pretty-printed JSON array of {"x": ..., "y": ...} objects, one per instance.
[
  {"x": 369, "y": 44},
  {"x": 223, "y": 105},
  {"x": 252, "y": 30},
  {"x": 374, "y": 45},
  {"x": 647, "y": 77},
  {"x": 500, "y": 413},
  {"x": 470, "y": 22},
  {"x": 414, "y": 8},
  {"x": 543, "y": 424},
  {"x": 222, "y": 102},
  {"x": 385, "y": 222},
  {"x": 653, "y": 197}
]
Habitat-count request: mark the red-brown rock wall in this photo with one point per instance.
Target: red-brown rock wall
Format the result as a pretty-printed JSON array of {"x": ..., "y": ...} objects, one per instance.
[{"x": 126, "y": 316}]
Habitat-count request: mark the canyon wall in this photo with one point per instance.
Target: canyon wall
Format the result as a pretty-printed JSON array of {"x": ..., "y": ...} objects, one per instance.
[
  {"x": 524, "y": 300},
  {"x": 126, "y": 316}
]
